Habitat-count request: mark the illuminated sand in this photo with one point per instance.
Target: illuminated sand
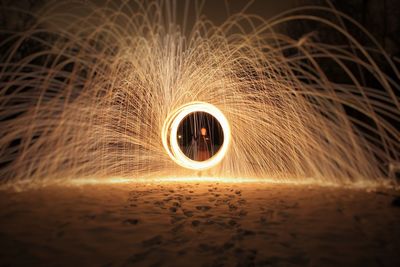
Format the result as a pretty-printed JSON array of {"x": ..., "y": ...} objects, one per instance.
[{"x": 204, "y": 224}]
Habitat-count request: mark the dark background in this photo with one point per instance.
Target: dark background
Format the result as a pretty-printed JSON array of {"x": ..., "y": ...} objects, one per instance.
[{"x": 380, "y": 17}]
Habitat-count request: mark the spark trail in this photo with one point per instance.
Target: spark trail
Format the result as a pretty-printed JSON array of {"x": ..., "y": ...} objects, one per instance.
[{"x": 92, "y": 98}]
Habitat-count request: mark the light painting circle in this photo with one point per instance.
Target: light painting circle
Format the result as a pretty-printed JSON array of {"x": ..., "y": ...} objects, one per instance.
[{"x": 170, "y": 140}]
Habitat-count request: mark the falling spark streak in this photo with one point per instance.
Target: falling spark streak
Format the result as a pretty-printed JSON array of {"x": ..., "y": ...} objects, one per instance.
[{"x": 92, "y": 100}]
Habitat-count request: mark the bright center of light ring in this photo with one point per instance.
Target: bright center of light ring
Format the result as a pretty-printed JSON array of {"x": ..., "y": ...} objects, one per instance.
[{"x": 170, "y": 132}]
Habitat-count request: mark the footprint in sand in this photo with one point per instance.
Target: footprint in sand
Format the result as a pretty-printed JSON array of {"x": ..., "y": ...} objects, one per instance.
[
  {"x": 196, "y": 223},
  {"x": 188, "y": 213},
  {"x": 203, "y": 208},
  {"x": 173, "y": 209}
]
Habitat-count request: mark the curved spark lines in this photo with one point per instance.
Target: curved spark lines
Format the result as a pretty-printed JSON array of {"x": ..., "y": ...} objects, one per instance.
[{"x": 92, "y": 98}]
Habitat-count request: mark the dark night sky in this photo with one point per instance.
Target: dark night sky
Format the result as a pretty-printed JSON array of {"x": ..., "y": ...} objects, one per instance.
[{"x": 380, "y": 17}]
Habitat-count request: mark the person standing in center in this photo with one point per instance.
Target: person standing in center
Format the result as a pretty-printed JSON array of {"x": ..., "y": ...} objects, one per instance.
[{"x": 203, "y": 146}]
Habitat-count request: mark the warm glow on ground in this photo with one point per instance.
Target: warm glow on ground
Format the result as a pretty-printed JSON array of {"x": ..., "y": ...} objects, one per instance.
[{"x": 226, "y": 180}]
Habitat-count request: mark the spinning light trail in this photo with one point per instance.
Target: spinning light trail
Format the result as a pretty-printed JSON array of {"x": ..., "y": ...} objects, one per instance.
[
  {"x": 101, "y": 89},
  {"x": 170, "y": 138}
]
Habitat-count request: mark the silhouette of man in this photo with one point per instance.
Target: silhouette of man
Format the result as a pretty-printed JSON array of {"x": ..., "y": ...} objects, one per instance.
[{"x": 203, "y": 146}]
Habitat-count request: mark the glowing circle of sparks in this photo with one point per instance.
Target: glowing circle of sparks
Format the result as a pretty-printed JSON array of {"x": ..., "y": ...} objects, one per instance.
[{"x": 170, "y": 140}]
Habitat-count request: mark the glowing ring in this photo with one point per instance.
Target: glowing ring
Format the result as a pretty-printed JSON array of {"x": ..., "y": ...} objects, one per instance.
[{"x": 170, "y": 140}]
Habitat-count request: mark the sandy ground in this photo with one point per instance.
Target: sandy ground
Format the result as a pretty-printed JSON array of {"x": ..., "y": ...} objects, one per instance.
[{"x": 199, "y": 224}]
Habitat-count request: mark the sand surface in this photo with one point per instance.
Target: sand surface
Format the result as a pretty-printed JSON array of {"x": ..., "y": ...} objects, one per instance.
[{"x": 199, "y": 224}]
